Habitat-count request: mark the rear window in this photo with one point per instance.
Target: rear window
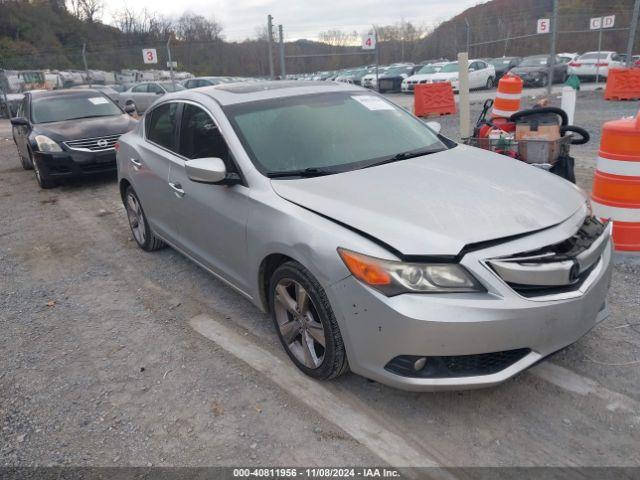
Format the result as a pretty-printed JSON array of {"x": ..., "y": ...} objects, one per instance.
[{"x": 70, "y": 107}]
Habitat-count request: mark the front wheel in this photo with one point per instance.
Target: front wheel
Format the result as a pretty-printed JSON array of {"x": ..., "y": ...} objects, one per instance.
[
  {"x": 138, "y": 223},
  {"x": 305, "y": 322},
  {"x": 44, "y": 181},
  {"x": 544, "y": 81}
]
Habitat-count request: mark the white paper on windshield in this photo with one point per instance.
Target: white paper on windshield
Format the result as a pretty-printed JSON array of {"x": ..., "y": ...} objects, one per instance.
[
  {"x": 372, "y": 103},
  {"x": 98, "y": 100}
]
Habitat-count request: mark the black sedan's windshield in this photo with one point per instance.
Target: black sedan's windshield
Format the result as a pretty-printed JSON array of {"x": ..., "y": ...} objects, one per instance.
[
  {"x": 328, "y": 132},
  {"x": 69, "y": 107}
]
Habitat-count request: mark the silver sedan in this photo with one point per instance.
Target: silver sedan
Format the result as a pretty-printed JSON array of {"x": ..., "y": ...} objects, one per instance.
[{"x": 376, "y": 244}]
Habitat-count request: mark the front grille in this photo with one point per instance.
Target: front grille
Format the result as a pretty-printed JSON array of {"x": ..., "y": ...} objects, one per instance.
[
  {"x": 554, "y": 269},
  {"x": 96, "y": 144},
  {"x": 456, "y": 366}
]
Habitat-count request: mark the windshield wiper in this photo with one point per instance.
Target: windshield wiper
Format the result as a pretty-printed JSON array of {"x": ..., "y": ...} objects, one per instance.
[
  {"x": 404, "y": 156},
  {"x": 304, "y": 172}
]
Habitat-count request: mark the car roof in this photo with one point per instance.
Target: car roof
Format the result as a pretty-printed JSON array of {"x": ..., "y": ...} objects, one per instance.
[
  {"x": 243, "y": 92},
  {"x": 65, "y": 92}
]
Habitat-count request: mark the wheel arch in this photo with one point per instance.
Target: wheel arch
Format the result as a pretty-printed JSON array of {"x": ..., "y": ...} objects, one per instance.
[{"x": 268, "y": 265}]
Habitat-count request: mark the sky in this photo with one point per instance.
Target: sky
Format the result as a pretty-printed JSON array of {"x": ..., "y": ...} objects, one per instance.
[{"x": 301, "y": 18}]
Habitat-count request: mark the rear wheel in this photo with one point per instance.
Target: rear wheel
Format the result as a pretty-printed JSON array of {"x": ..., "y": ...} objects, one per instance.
[
  {"x": 142, "y": 234},
  {"x": 305, "y": 322}
]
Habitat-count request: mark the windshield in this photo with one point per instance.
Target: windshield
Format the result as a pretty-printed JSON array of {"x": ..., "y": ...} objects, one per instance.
[
  {"x": 170, "y": 87},
  {"x": 338, "y": 130},
  {"x": 68, "y": 107},
  {"x": 397, "y": 71},
  {"x": 449, "y": 67},
  {"x": 498, "y": 62},
  {"x": 533, "y": 62},
  {"x": 428, "y": 69}
]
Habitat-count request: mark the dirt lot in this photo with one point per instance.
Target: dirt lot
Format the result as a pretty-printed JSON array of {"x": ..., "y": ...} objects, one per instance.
[{"x": 101, "y": 365}]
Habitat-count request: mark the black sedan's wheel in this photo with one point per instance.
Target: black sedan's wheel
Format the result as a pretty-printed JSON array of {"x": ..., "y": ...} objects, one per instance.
[
  {"x": 142, "y": 234},
  {"x": 489, "y": 84},
  {"x": 305, "y": 322},
  {"x": 41, "y": 177},
  {"x": 544, "y": 80}
]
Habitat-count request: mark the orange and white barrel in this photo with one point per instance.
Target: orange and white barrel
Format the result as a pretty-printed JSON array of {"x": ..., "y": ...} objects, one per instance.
[
  {"x": 508, "y": 96},
  {"x": 616, "y": 184}
]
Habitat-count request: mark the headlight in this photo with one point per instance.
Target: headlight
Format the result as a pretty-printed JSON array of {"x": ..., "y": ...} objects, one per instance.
[
  {"x": 393, "y": 278},
  {"x": 45, "y": 144}
]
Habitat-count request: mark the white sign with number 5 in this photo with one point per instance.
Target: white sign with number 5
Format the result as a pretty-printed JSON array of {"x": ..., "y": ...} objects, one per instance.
[
  {"x": 544, "y": 25},
  {"x": 149, "y": 55},
  {"x": 369, "y": 42}
]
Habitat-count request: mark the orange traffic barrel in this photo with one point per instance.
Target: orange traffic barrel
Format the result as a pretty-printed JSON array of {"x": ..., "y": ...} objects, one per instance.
[
  {"x": 508, "y": 96},
  {"x": 616, "y": 184}
]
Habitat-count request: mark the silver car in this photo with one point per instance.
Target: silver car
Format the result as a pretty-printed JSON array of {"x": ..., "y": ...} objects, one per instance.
[
  {"x": 376, "y": 244},
  {"x": 142, "y": 95}
]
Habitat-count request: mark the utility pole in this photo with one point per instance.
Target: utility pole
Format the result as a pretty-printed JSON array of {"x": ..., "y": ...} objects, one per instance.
[
  {"x": 84, "y": 60},
  {"x": 173, "y": 81},
  {"x": 506, "y": 42},
  {"x": 552, "y": 56},
  {"x": 466, "y": 22},
  {"x": 599, "y": 50},
  {"x": 270, "y": 34},
  {"x": 281, "y": 40},
  {"x": 632, "y": 31}
]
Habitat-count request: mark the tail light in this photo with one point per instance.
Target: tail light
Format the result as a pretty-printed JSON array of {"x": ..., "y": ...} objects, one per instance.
[
  {"x": 575, "y": 64},
  {"x": 116, "y": 147},
  {"x": 602, "y": 64}
]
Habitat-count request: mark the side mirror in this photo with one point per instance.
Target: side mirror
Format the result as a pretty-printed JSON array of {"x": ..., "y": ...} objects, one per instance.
[
  {"x": 435, "y": 126},
  {"x": 130, "y": 109},
  {"x": 206, "y": 170},
  {"x": 18, "y": 121}
]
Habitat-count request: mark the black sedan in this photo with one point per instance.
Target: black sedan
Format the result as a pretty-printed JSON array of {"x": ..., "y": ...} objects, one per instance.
[
  {"x": 67, "y": 133},
  {"x": 504, "y": 64},
  {"x": 534, "y": 71},
  {"x": 391, "y": 80}
]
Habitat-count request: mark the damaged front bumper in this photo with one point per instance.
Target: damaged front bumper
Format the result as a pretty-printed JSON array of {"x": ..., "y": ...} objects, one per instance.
[{"x": 469, "y": 340}]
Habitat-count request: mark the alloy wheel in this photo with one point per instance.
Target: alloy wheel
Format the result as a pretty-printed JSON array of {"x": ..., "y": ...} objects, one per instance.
[
  {"x": 136, "y": 219},
  {"x": 297, "y": 317}
]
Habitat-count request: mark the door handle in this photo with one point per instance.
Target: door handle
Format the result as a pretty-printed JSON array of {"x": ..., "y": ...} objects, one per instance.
[
  {"x": 136, "y": 163},
  {"x": 177, "y": 189}
]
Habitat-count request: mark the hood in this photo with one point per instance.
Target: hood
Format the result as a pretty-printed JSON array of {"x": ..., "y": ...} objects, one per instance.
[
  {"x": 422, "y": 76},
  {"x": 436, "y": 204},
  {"x": 86, "y": 127}
]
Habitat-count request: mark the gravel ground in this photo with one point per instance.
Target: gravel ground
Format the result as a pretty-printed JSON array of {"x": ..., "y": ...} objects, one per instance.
[{"x": 100, "y": 366}]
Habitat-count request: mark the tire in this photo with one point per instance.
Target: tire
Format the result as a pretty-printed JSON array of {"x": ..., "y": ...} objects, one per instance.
[
  {"x": 489, "y": 84},
  {"x": 302, "y": 325},
  {"x": 544, "y": 81},
  {"x": 44, "y": 181},
  {"x": 142, "y": 233}
]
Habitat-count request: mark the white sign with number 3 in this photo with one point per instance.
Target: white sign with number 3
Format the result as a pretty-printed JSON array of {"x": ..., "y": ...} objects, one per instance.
[
  {"x": 149, "y": 55},
  {"x": 544, "y": 25}
]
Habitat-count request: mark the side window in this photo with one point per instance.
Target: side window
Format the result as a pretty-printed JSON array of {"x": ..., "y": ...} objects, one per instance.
[
  {"x": 154, "y": 88},
  {"x": 161, "y": 125},
  {"x": 473, "y": 66},
  {"x": 140, "y": 88},
  {"x": 200, "y": 137}
]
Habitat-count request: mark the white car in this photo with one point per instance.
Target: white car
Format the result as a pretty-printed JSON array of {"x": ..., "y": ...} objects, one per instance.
[
  {"x": 590, "y": 64},
  {"x": 481, "y": 75},
  {"x": 421, "y": 76},
  {"x": 369, "y": 80}
]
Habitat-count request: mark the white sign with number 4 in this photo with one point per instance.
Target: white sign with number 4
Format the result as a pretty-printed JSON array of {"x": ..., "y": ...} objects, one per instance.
[
  {"x": 369, "y": 42},
  {"x": 149, "y": 55},
  {"x": 544, "y": 25}
]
